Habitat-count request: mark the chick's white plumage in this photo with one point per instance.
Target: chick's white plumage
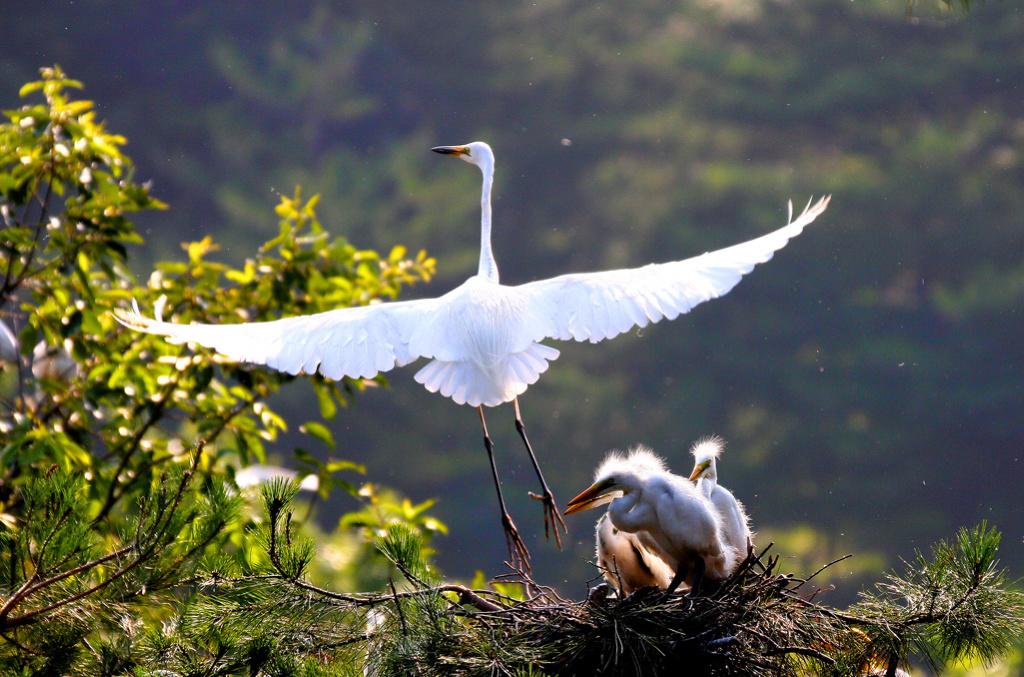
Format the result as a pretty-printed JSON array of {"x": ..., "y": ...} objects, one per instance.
[
  {"x": 625, "y": 562},
  {"x": 735, "y": 523},
  {"x": 666, "y": 513}
]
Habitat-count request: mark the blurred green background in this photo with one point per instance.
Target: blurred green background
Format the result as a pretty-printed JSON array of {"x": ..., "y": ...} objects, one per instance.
[{"x": 868, "y": 379}]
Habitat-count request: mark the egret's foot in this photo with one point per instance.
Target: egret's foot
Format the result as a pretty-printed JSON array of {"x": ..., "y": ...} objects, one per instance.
[
  {"x": 552, "y": 518},
  {"x": 517, "y": 551},
  {"x": 599, "y": 594},
  {"x": 678, "y": 579},
  {"x": 645, "y": 596},
  {"x": 698, "y": 577}
]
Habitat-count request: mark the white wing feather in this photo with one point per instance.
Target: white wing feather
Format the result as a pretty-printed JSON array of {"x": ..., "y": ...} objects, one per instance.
[
  {"x": 483, "y": 336},
  {"x": 596, "y": 306},
  {"x": 356, "y": 342}
]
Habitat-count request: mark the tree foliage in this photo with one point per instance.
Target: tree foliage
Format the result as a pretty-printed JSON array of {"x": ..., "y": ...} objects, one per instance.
[
  {"x": 118, "y": 450},
  {"x": 119, "y": 401}
]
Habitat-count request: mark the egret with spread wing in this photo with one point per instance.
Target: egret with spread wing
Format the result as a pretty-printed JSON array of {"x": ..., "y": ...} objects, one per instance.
[
  {"x": 665, "y": 512},
  {"x": 483, "y": 339},
  {"x": 735, "y": 523}
]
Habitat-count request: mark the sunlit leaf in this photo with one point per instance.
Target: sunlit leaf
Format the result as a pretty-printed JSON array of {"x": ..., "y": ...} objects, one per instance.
[{"x": 319, "y": 431}]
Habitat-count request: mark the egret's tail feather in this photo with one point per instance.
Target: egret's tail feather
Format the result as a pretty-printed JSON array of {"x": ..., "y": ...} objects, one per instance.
[{"x": 471, "y": 384}]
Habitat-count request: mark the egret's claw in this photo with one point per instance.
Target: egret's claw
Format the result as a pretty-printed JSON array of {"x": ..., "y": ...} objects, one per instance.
[
  {"x": 517, "y": 551},
  {"x": 552, "y": 517}
]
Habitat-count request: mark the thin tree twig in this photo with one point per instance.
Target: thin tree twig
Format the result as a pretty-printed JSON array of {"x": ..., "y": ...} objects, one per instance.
[{"x": 398, "y": 606}]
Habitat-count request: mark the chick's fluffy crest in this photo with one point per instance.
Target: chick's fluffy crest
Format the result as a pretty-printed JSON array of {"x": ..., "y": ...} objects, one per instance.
[
  {"x": 640, "y": 461},
  {"x": 707, "y": 448}
]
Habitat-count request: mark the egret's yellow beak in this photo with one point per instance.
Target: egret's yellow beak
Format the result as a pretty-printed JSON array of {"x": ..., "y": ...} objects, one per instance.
[
  {"x": 451, "y": 150},
  {"x": 600, "y": 493},
  {"x": 699, "y": 469}
]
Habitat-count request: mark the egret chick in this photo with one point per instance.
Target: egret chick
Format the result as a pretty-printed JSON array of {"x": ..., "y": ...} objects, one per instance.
[
  {"x": 735, "y": 523},
  {"x": 625, "y": 562},
  {"x": 483, "y": 339},
  {"x": 666, "y": 513},
  {"x": 623, "y": 559}
]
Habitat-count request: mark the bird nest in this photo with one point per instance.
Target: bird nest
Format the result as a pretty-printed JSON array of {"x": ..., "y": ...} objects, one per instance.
[{"x": 758, "y": 622}]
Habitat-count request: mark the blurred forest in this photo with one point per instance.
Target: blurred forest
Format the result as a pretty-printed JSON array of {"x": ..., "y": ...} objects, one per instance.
[{"x": 869, "y": 380}]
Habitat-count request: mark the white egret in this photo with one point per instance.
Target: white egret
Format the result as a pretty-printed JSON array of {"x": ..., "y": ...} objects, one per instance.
[
  {"x": 735, "y": 523},
  {"x": 483, "y": 338},
  {"x": 665, "y": 512},
  {"x": 625, "y": 561}
]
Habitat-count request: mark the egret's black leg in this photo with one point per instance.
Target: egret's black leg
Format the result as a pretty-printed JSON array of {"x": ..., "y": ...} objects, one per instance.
[
  {"x": 516, "y": 548},
  {"x": 552, "y": 518},
  {"x": 698, "y": 576},
  {"x": 680, "y": 576}
]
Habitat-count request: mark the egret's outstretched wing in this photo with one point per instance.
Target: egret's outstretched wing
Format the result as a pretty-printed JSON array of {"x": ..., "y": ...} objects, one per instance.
[
  {"x": 596, "y": 306},
  {"x": 355, "y": 342}
]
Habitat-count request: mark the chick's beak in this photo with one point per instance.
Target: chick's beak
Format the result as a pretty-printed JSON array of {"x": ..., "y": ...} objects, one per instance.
[
  {"x": 698, "y": 470},
  {"x": 451, "y": 150},
  {"x": 600, "y": 493}
]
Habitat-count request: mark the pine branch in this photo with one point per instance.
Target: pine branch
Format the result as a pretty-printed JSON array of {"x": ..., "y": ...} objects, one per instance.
[{"x": 153, "y": 533}]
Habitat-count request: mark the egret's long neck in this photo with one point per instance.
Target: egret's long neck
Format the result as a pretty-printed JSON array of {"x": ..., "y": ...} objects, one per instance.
[
  {"x": 488, "y": 266},
  {"x": 627, "y": 514},
  {"x": 708, "y": 481},
  {"x": 707, "y": 485}
]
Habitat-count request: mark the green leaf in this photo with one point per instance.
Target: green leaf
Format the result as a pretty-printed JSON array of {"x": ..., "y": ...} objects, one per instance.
[
  {"x": 23, "y": 237},
  {"x": 72, "y": 324},
  {"x": 78, "y": 107},
  {"x": 30, "y": 87},
  {"x": 203, "y": 377},
  {"x": 328, "y": 407},
  {"x": 245, "y": 276},
  {"x": 304, "y": 456},
  {"x": 319, "y": 431},
  {"x": 338, "y": 466}
]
